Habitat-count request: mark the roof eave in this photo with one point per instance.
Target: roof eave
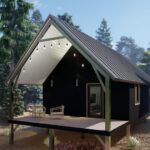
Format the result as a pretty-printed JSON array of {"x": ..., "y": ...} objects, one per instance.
[
  {"x": 73, "y": 39},
  {"x": 128, "y": 81}
]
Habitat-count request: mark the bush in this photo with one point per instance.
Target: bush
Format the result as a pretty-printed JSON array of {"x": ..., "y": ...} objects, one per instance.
[
  {"x": 5, "y": 103},
  {"x": 133, "y": 142}
]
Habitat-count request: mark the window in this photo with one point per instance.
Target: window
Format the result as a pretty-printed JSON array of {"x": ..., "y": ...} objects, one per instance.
[
  {"x": 94, "y": 100},
  {"x": 137, "y": 94}
]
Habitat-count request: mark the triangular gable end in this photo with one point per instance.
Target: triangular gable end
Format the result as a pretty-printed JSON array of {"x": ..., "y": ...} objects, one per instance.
[{"x": 43, "y": 55}]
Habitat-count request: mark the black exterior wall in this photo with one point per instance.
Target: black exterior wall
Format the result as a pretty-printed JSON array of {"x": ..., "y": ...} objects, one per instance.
[
  {"x": 123, "y": 105},
  {"x": 138, "y": 111},
  {"x": 64, "y": 90},
  {"x": 120, "y": 100},
  {"x": 145, "y": 101}
]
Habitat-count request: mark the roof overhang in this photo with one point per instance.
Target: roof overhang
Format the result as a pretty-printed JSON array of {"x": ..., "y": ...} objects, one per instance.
[
  {"x": 45, "y": 52},
  {"x": 41, "y": 57},
  {"x": 44, "y": 58},
  {"x": 51, "y": 44}
]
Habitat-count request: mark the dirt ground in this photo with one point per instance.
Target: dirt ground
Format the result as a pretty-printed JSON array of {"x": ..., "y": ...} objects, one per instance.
[
  {"x": 142, "y": 134},
  {"x": 25, "y": 139},
  {"x": 31, "y": 138}
]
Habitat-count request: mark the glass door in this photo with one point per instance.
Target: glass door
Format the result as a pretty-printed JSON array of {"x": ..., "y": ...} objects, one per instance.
[{"x": 94, "y": 100}]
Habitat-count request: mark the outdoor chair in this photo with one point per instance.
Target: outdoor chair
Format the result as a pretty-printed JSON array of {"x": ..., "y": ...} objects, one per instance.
[
  {"x": 57, "y": 111},
  {"x": 29, "y": 107},
  {"x": 38, "y": 111}
]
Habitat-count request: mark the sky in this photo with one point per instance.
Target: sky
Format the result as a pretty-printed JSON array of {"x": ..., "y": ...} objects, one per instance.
[{"x": 124, "y": 17}]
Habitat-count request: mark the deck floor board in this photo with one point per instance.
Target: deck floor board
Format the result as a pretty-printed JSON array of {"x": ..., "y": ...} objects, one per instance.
[{"x": 89, "y": 125}]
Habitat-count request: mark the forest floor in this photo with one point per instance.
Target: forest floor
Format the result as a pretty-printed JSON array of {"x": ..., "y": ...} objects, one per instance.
[
  {"x": 142, "y": 133},
  {"x": 32, "y": 138}
]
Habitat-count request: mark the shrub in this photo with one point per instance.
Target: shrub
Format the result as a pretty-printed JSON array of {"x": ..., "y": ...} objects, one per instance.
[{"x": 133, "y": 142}]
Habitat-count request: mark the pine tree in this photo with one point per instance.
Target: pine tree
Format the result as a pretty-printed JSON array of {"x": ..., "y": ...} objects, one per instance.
[
  {"x": 68, "y": 18},
  {"x": 31, "y": 94},
  {"x": 145, "y": 62},
  {"x": 104, "y": 34},
  {"x": 18, "y": 104},
  {"x": 16, "y": 33},
  {"x": 128, "y": 48},
  {"x": 37, "y": 18},
  {"x": 15, "y": 27}
]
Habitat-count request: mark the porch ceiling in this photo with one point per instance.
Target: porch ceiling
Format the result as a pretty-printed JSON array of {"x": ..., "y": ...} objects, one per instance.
[{"x": 45, "y": 57}]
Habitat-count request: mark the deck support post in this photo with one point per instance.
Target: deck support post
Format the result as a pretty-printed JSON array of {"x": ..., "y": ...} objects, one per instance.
[
  {"x": 51, "y": 139},
  {"x": 107, "y": 106},
  {"x": 107, "y": 142},
  {"x": 106, "y": 88},
  {"x": 11, "y": 134},
  {"x": 128, "y": 133},
  {"x": 11, "y": 128},
  {"x": 11, "y": 114},
  {"x": 107, "y": 113}
]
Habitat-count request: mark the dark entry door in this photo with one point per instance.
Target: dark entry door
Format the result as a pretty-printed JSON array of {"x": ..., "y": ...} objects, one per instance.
[{"x": 94, "y": 100}]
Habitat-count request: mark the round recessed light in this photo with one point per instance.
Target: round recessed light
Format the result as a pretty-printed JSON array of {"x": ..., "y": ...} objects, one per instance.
[
  {"x": 37, "y": 49},
  {"x": 30, "y": 59},
  {"x": 23, "y": 70},
  {"x": 59, "y": 44},
  {"x": 74, "y": 54},
  {"x": 44, "y": 46},
  {"x": 82, "y": 65}
]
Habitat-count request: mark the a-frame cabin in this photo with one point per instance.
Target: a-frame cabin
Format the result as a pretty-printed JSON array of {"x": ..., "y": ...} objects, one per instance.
[{"x": 88, "y": 78}]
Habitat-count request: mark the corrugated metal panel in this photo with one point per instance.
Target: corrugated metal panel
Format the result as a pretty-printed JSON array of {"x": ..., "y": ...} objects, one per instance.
[
  {"x": 116, "y": 63},
  {"x": 44, "y": 58}
]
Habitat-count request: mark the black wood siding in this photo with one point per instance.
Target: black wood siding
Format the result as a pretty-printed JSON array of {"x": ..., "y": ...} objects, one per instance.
[
  {"x": 145, "y": 100},
  {"x": 140, "y": 110},
  {"x": 119, "y": 100},
  {"x": 64, "y": 90}
]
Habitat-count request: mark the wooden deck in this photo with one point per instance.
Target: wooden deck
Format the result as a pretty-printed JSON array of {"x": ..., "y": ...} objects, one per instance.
[{"x": 80, "y": 124}]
